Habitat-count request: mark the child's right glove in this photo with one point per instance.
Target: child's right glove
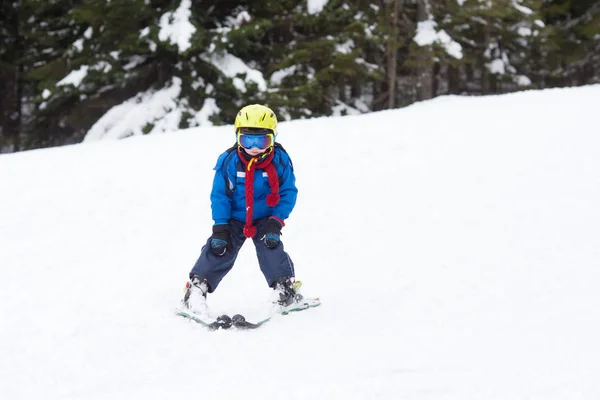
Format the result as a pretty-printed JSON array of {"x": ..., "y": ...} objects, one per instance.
[{"x": 219, "y": 241}]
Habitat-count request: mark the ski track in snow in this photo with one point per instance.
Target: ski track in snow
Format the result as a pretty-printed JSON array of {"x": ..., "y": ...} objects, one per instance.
[{"x": 454, "y": 244}]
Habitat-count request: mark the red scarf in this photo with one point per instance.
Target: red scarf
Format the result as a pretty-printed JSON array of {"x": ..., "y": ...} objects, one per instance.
[{"x": 262, "y": 161}]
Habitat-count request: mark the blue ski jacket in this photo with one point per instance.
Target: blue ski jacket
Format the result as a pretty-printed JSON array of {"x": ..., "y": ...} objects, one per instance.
[{"x": 228, "y": 197}]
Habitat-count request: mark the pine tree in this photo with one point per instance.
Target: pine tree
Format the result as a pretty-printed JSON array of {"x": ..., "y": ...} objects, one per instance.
[
  {"x": 11, "y": 76},
  {"x": 325, "y": 60},
  {"x": 48, "y": 33},
  {"x": 67, "y": 65},
  {"x": 497, "y": 38},
  {"x": 105, "y": 62},
  {"x": 573, "y": 55},
  {"x": 229, "y": 65},
  {"x": 433, "y": 50}
]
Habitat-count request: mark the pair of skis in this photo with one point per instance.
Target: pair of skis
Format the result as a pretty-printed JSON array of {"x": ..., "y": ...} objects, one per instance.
[
  {"x": 222, "y": 322},
  {"x": 238, "y": 321}
]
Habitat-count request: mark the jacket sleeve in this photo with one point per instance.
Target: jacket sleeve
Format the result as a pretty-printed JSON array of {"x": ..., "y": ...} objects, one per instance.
[
  {"x": 287, "y": 189},
  {"x": 220, "y": 201}
]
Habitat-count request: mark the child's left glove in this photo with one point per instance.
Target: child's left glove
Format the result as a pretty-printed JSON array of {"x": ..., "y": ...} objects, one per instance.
[{"x": 272, "y": 232}]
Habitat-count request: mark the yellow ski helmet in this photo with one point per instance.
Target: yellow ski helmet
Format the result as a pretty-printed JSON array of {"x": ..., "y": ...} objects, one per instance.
[{"x": 256, "y": 116}]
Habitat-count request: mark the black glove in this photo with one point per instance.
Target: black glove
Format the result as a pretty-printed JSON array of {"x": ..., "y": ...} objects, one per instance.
[
  {"x": 220, "y": 240},
  {"x": 272, "y": 233}
]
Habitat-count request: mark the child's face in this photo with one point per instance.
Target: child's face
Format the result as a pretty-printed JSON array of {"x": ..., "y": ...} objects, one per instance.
[{"x": 254, "y": 151}]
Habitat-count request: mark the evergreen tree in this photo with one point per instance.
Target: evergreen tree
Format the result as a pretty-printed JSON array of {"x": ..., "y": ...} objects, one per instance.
[
  {"x": 11, "y": 76},
  {"x": 574, "y": 49},
  {"x": 69, "y": 65},
  {"x": 497, "y": 38},
  {"x": 106, "y": 61},
  {"x": 433, "y": 50},
  {"x": 47, "y": 32},
  {"x": 332, "y": 65}
]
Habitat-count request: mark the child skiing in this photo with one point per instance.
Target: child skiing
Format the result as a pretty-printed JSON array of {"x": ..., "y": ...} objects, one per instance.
[{"x": 253, "y": 193}]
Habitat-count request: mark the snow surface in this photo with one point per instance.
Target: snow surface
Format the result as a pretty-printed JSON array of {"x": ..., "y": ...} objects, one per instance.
[{"x": 455, "y": 245}]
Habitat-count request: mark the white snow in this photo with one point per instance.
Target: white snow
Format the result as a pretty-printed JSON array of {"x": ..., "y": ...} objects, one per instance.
[
  {"x": 134, "y": 61},
  {"x": 145, "y": 32},
  {"x": 452, "y": 48},
  {"x": 316, "y": 6},
  {"x": 455, "y": 246},
  {"x": 176, "y": 26},
  {"x": 242, "y": 18},
  {"x": 78, "y": 44},
  {"x": 231, "y": 66},
  {"x": 278, "y": 76},
  {"x": 209, "y": 109},
  {"x": 342, "y": 108},
  {"x": 524, "y": 31},
  {"x": 496, "y": 66},
  {"x": 523, "y": 80},
  {"x": 130, "y": 118},
  {"x": 427, "y": 35},
  {"x": 106, "y": 67},
  {"x": 370, "y": 66},
  {"x": 524, "y": 10},
  {"x": 346, "y": 47},
  {"x": 74, "y": 77}
]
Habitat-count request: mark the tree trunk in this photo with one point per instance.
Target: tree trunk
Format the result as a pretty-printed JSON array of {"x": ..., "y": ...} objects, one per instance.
[
  {"x": 434, "y": 79},
  {"x": 453, "y": 80},
  {"x": 392, "y": 50},
  {"x": 11, "y": 93},
  {"x": 485, "y": 73},
  {"x": 425, "y": 70}
]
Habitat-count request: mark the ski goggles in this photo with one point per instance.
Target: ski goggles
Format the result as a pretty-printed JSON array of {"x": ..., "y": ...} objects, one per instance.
[{"x": 250, "y": 140}]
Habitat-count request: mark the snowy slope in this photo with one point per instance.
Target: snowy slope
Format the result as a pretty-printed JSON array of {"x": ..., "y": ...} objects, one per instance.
[{"x": 455, "y": 245}]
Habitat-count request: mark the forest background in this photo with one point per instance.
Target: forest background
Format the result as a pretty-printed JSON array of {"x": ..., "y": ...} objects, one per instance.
[{"x": 64, "y": 64}]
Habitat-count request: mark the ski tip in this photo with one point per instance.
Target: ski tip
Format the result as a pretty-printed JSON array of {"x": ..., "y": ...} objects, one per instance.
[{"x": 238, "y": 318}]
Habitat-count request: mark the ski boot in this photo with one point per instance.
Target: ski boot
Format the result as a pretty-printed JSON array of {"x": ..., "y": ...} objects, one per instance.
[
  {"x": 195, "y": 295},
  {"x": 285, "y": 292}
]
